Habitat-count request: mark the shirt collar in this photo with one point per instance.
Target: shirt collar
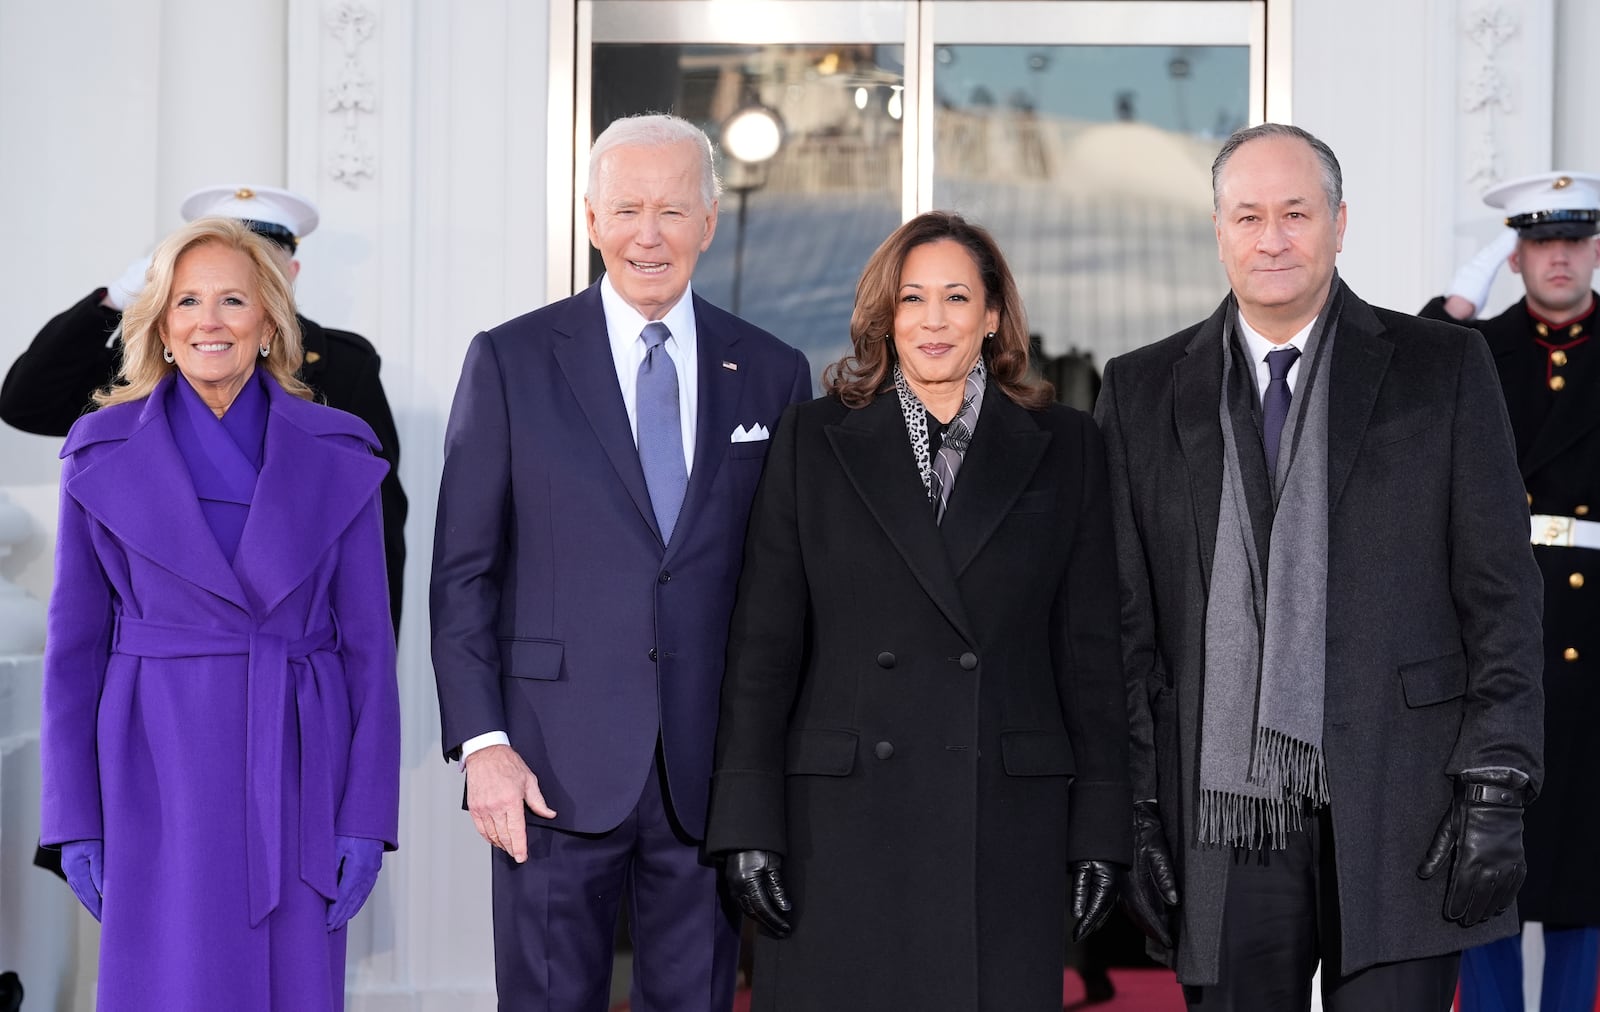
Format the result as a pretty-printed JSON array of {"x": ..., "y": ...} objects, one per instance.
[
  {"x": 624, "y": 324},
  {"x": 1259, "y": 346}
]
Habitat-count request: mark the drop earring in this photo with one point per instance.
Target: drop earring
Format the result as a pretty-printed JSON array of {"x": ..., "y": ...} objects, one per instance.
[
  {"x": 266, "y": 349},
  {"x": 166, "y": 355}
]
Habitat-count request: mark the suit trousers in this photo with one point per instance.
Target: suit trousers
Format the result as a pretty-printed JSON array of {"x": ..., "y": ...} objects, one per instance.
[
  {"x": 1281, "y": 917},
  {"x": 1491, "y": 975},
  {"x": 555, "y": 916}
]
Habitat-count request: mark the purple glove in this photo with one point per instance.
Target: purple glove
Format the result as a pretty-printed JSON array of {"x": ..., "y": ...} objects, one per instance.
[
  {"x": 83, "y": 862},
  {"x": 359, "y": 861}
]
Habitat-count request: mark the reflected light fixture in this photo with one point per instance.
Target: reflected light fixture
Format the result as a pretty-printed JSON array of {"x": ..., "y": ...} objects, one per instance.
[
  {"x": 753, "y": 134},
  {"x": 895, "y": 107},
  {"x": 861, "y": 98}
]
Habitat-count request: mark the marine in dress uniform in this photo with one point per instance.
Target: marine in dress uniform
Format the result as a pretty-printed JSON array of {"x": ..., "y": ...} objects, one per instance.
[{"x": 1548, "y": 357}]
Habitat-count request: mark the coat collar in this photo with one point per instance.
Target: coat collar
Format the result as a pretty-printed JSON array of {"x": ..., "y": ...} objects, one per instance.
[
  {"x": 1361, "y": 353},
  {"x": 310, "y": 489},
  {"x": 874, "y": 450},
  {"x": 584, "y": 355}
]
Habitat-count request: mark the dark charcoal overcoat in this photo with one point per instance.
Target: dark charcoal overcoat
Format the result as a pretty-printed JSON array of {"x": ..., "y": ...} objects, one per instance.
[
  {"x": 926, "y": 721},
  {"x": 1432, "y": 613}
]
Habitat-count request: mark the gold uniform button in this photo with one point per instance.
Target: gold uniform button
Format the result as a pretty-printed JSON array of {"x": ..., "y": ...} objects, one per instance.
[
  {"x": 1530, "y": 498},
  {"x": 1581, "y": 511},
  {"x": 1541, "y": 330},
  {"x": 1558, "y": 357},
  {"x": 1557, "y": 382},
  {"x": 1570, "y": 654},
  {"x": 1575, "y": 581}
]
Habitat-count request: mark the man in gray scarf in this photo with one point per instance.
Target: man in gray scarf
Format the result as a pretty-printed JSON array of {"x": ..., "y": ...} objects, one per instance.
[{"x": 1330, "y": 621}]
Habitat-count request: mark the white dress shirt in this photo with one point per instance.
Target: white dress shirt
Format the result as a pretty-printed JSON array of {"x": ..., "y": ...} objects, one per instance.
[
  {"x": 624, "y": 327},
  {"x": 1258, "y": 347}
]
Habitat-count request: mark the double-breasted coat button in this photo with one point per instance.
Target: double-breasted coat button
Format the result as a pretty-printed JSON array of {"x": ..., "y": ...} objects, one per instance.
[
  {"x": 652, "y": 653},
  {"x": 1575, "y": 581},
  {"x": 665, "y": 577},
  {"x": 883, "y": 750},
  {"x": 1569, "y": 654},
  {"x": 886, "y": 660},
  {"x": 969, "y": 661}
]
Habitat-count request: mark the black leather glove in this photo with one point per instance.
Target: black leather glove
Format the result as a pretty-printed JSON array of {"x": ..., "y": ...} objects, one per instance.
[
  {"x": 756, "y": 881},
  {"x": 1153, "y": 886},
  {"x": 1483, "y": 829},
  {"x": 1095, "y": 888}
]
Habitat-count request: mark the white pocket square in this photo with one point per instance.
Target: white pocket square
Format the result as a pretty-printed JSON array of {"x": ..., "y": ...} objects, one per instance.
[{"x": 753, "y": 434}]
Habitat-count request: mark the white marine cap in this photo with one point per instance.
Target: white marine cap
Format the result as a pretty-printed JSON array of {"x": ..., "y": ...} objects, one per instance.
[
  {"x": 277, "y": 214},
  {"x": 1550, "y": 205}
]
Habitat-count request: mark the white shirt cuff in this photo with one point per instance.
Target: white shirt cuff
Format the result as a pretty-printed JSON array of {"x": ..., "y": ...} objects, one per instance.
[{"x": 483, "y": 741}]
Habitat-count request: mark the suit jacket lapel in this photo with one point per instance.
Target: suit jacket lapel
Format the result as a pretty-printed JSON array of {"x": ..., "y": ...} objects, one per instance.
[
  {"x": 1004, "y": 454},
  {"x": 142, "y": 493},
  {"x": 583, "y": 352},
  {"x": 309, "y": 491},
  {"x": 874, "y": 450},
  {"x": 719, "y": 396},
  {"x": 1360, "y": 360},
  {"x": 1197, "y": 408}
]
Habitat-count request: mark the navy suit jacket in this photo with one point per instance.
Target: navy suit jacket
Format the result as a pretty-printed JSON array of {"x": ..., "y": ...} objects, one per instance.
[{"x": 558, "y": 614}]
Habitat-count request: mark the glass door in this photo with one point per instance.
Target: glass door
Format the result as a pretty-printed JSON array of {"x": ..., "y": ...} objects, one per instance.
[
  {"x": 1082, "y": 135},
  {"x": 1079, "y": 131}
]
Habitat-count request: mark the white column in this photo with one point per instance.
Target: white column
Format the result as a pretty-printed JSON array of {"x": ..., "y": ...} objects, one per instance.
[
  {"x": 221, "y": 94},
  {"x": 418, "y": 128}
]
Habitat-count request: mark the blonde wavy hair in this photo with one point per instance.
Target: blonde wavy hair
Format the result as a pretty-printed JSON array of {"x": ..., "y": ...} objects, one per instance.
[{"x": 144, "y": 322}]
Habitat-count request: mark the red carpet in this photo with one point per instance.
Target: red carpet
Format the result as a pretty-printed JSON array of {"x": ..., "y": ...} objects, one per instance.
[{"x": 1137, "y": 991}]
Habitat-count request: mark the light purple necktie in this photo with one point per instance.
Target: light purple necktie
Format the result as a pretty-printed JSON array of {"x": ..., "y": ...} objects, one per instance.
[{"x": 661, "y": 429}]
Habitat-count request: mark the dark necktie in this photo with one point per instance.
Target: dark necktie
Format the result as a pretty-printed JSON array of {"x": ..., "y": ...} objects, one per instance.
[
  {"x": 1275, "y": 405},
  {"x": 661, "y": 429}
]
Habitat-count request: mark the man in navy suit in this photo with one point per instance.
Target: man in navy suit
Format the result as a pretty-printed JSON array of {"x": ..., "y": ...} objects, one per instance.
[{"x": 599, "y": 465}]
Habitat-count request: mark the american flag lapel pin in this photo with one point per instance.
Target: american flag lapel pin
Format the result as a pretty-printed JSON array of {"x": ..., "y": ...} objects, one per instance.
[{"x": 730, "y": 366}]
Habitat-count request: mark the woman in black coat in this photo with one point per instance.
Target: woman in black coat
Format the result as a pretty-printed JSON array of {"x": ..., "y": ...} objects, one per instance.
[{"x": 923, "y": 732}]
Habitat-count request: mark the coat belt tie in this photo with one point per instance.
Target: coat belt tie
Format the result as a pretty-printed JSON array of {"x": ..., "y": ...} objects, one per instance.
[{"x": 275, "y": 667}]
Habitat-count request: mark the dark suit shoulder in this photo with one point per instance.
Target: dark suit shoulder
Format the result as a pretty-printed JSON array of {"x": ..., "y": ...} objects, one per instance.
[
  {"x": 747, "y": 331},
  {"x": 1404, "y": 326},
  {"x": 1157, "y": 356},
  {"x": 344, "y": 343}
]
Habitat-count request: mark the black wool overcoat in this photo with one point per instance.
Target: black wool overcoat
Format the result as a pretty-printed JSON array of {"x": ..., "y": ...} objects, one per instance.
[{"x": 927, "y": 721}]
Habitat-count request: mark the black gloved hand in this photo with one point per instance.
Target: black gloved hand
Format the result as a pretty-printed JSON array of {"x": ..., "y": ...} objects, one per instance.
[
  {"x": 756, "y": 881},
  {"x": 1483, "y": 829},
  {"x": 1095, "y": 888},
  {"x": 1153, "y": 886}
]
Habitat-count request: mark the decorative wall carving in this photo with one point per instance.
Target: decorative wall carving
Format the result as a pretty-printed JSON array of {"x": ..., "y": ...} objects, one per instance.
[
  {"x": 1487, "y": 89},
  {"x": 353, "y": 95}
]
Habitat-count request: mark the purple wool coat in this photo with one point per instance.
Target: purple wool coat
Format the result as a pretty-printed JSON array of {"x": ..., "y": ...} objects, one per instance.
[{"x": 218, "y": 725}]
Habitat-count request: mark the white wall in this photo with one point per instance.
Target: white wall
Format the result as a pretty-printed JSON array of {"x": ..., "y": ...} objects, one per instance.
[{"x": 110, "y": 110}]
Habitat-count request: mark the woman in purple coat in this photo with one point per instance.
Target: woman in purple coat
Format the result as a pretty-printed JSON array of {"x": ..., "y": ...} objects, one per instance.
[{"x": 221, "y": 718}]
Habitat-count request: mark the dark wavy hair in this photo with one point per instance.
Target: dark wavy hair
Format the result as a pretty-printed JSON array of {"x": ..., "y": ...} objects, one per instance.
[{"x": 869, "y": 369}]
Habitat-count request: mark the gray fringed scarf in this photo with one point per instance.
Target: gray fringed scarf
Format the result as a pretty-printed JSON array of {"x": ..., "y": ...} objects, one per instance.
[
  {"x": 939, "y": 469},
  {"x": 1261, "y": 730}
]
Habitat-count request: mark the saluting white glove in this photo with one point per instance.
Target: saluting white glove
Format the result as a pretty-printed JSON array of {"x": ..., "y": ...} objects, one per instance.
[
  {"x": 121, "y": 292},
  {"x": 1475, "y": 277}
]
